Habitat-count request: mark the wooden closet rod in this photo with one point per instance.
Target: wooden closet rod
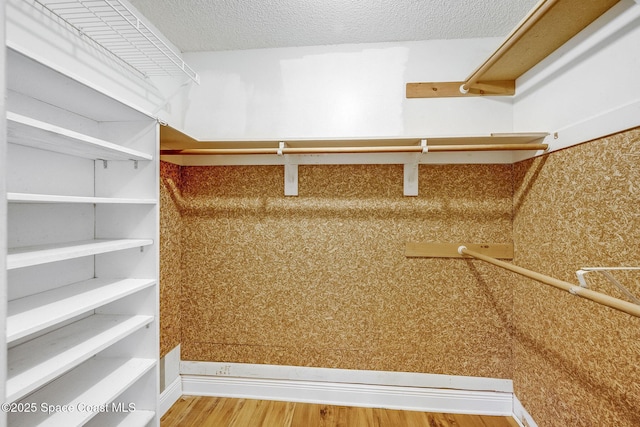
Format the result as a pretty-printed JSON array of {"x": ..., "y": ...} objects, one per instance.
[
  {"x": 525, "y": 25},
  {"x": 370, "y": 149},
  {"x": 600, "y": 298}
]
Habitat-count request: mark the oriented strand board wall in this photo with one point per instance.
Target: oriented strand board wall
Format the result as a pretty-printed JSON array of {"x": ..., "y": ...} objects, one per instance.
[
  {"x": 170, "y": 256},
  {"x": 578, "y": 363},
  {"x": 322, "y": 280}
]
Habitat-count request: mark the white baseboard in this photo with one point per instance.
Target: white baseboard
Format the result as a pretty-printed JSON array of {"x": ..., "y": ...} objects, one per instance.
[
  {"x": 393, "y": 390},
  {"x": 170, "y": 395}
]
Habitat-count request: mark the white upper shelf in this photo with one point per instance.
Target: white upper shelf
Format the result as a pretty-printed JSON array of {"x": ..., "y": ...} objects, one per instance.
[
  {"x": 34, "y": 133},
  {"x": 120, "y": 31},
  {"x": 42, "y": 254},
  {"x": 55, "y": 198}
]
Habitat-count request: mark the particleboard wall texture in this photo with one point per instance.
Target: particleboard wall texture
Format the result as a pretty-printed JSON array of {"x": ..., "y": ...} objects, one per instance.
[
  {"x": 171, "y": 258},
  {"x": 578, "y": 363},
  {"x": 322, "y": 280}
]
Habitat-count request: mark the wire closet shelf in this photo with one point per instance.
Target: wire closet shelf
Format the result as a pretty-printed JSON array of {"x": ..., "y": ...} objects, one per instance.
[{"x": 115, "y": 27}]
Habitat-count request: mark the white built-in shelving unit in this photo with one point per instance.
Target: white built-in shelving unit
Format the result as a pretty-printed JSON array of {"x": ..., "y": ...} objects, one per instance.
[{"x": 82, "y": 258}]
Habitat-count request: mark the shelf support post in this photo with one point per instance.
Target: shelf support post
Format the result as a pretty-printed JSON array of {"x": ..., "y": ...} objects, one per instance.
[
  {"x": 411, "y": 172},
  {"x": 290, "y": 173}
]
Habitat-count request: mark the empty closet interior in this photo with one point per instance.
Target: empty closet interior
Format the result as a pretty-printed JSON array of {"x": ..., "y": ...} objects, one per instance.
[{"x": 372, "y": 224}]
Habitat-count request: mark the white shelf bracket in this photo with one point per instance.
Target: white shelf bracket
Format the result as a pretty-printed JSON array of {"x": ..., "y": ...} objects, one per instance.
[
  {"x": 135, "y": 164},
  {"x": 105, "y": 164},
  {"x": 425, "y": 147},
  {"x": 290, "y": 173},
  {"x": 411, "y": 172},
  {"x": 605, "y": 271},
  {"x": 290, "y": 179}
]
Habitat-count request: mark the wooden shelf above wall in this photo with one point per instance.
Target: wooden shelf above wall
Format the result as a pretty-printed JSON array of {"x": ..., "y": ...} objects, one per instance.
[
  {"x": 174, "y": 142},
  {"x": 549, "y": 25},
  {"x": 181, "y": 149}
]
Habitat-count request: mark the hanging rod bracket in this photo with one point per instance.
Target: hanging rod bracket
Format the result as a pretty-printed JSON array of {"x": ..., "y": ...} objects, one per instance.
[
  {"x": 452, "y": 250},
  {"x": 606, "y": 272},
  {"x": 425, "y": 147},
  {"x": 459, "y": 89}
]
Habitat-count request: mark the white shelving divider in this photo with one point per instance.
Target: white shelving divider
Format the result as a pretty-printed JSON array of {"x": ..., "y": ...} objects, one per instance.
[
  {"x": 3, "y": 222},
  {"x": 82, "y": 260}
]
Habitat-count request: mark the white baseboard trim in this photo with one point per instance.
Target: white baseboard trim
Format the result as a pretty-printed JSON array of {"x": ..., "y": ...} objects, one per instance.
[
  {"x": 170, "y": 395},
  {"x": 521, "y": 415},
  {"x": 392, "y": 390}
]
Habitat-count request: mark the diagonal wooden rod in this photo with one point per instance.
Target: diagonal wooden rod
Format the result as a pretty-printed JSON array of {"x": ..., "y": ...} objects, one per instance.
[
  {"x": 370, "y": 149},
  {"x": 600, "y": 298}
]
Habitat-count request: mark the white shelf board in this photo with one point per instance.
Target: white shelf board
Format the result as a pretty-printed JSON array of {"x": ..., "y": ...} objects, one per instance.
[
  {"x": 38, "y": 361},
  {"x": 54, "y": 198},
  {"x": 26, "y": 131},
  {"x": 42, "y": 254},
  {"x": 37, "y": 312},
  {"x": 96, "y": 382},
  {"x": 137, "y": 418}
]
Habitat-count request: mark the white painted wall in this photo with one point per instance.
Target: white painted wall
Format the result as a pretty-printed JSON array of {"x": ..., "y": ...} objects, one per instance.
[
  {"x": 589, "y": 87},
  {"x": 338, "y": 91},
  {"x": 359, "y": 90},
  {"x": 585, "y": 90}
]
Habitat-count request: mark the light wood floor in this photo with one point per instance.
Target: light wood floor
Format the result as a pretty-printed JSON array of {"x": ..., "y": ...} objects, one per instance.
[{"x": 199, "y": 411}]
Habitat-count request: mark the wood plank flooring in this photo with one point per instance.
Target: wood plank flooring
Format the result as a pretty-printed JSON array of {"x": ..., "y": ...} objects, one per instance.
[{"x": 201, "y": 411}]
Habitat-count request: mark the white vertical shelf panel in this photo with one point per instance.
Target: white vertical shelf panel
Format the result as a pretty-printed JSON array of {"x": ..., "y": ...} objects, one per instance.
[{"x": 3, "y": 219}]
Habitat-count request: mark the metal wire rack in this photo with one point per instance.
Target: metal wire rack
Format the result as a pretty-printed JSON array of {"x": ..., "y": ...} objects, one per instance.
[{"x": 112, "y": 25}]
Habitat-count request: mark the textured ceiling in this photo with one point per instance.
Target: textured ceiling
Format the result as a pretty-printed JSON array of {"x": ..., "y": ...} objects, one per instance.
[{"x": 209, "y": 25}]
